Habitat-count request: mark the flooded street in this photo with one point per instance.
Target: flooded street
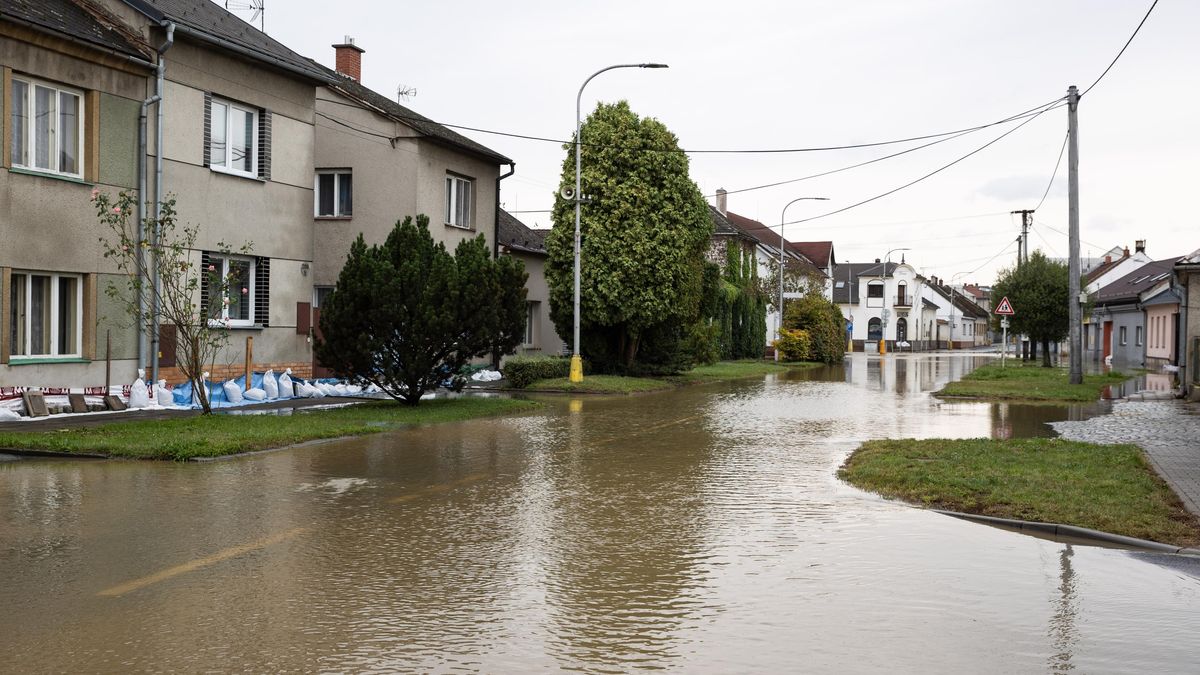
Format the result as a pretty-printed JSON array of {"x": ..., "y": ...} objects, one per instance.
[{"x": 700, "y": 530}]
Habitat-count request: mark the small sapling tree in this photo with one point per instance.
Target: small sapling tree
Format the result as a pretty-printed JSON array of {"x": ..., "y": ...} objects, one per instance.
[{"x": 200, "y": 330}]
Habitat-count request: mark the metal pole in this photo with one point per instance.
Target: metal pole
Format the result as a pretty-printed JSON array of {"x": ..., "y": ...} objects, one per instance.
[
  {"x": 1075, "y": 311},
  {"x": 576, "y": 373}
]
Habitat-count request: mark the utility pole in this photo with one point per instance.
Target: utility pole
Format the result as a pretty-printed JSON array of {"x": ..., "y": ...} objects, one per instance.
[
  {"x": 1023, "y": 249},
  {"x": 1075, "y": 311}
]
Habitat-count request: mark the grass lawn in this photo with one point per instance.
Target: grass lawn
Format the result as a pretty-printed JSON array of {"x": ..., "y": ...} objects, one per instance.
[
  {"x": 217, "y": 435},
  {"x": 618, "y": 384},
  {"x": 1029, "y": 382},
  {"x": 1103, "y": 487}
]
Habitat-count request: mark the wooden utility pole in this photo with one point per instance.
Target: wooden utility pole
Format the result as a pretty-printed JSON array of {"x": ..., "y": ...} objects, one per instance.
[{"x": 1074, "y": 309}]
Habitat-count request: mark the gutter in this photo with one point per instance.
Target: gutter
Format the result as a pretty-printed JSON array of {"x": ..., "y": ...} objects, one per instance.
[
  {"x": 512, "y": 168},
  {"x": 158, "y": 180},
  {"x": 83, "y": 43}
]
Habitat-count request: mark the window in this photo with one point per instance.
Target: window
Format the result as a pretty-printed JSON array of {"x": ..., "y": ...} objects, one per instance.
[
  {"x": 47, "y": 127},
  {"x": 45, "y": 311},
  {"x": 1122, "y": 335},
  {"x": 334, "y": 194},
  {"x": 1137, "y": 336},
  {"x": 531, "y": 313},
  {"x": 320, "y": 295},
  {"x": 458, "y": 201},
  {"x": 233, "y": 138},
  {"x": 236, "y": 307},
  {"x": 874, "y": 290}
]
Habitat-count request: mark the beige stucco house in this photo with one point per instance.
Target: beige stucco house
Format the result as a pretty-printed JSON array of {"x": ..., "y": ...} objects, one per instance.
[
  {"x": 529, "y": 246},
  {"x": 377, "y": 161},
  {"x": 237, "y": 112}
]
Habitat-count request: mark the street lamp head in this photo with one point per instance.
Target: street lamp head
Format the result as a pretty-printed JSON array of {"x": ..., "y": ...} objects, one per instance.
[{"x": 653, "y": 65}]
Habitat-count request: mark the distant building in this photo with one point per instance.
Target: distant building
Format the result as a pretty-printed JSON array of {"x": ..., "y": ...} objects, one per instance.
[{"x": 529, "y": 246}]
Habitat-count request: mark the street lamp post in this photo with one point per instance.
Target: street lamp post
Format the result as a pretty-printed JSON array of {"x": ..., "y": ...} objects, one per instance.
[
  {"x": 952, "y": 322},
  {"x": 782, "y": 220},
  {"x": 887, "y": 260},
  {"x": 577, "y": 197}
]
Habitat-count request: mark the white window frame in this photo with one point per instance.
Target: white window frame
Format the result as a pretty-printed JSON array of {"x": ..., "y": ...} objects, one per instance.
[
  {"x": 227, "y": 167},
  {"x": 459, "y": 210},
  {"x": 221, "y": 262},
  {"x": 54, "y": 328},
  {"x": 1121, "y": 335},
  {"x": 30, "y": 121},
  {"x": 337, "y": 193},
  {"x": 1137, "y": 336}
]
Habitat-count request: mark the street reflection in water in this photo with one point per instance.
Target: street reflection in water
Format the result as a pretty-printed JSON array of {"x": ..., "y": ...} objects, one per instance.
[{"x": 699, "y": 530}]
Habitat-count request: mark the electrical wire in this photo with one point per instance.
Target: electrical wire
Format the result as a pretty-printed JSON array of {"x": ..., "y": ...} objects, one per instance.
[
  {"x": 1118, "y": 56},
  {"x": 1089, "y": 243},
  {"x": 1046, "y": 242},
  {"x": 928, "y": 175},
  {"x": 1066, "y": 138}
]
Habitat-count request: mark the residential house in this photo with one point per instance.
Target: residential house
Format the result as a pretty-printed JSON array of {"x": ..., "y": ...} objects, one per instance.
[
  {"x": 766, "y": 243},
  {"x": 1119, "y": 317},
  {"x": 967, "y": 321},
  {"x": 376, "y": 162},
  {"x": 1187, "y": 344},
  {"x": 882, "y": 301},
  {"x": 529, "y": 246},
  {"x": 73, "y": 80},
  {"x": 1104, "y": 272}
]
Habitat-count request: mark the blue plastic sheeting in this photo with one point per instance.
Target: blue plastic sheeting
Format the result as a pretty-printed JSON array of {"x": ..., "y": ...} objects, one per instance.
[{"x": 216, "y": 392}]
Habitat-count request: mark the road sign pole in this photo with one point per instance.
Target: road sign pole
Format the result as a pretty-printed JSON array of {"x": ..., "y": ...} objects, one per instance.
[{"x": 1004, "y": 345}]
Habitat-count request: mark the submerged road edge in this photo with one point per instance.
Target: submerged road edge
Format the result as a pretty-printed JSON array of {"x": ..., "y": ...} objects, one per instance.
[{"x": 1057, "y": 529}]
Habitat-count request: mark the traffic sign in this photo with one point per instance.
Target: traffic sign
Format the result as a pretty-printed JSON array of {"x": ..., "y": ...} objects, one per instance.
[{"x": 1005, "y": 308}]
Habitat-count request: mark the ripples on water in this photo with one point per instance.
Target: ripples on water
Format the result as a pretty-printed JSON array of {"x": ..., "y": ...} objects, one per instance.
[{"x": 702, "y": 530}]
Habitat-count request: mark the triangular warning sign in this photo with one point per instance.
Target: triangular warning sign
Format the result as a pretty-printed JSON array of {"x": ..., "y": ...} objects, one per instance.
[{"x": 1005, "y": 308}]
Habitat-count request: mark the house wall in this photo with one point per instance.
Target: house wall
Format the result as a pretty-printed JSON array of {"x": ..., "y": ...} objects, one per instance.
[
  {"x": 1160, "y": 333},
  {"x": 48, "y": 224},
  {"x": 545, "y": 338},
  {"x": 1130, "y": 353},
  {"x": 390, "y": 183},
  {"x": 273, "y": 216}
]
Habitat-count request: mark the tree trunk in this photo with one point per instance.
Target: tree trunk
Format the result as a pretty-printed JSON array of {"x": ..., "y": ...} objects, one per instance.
[
  {"x": 1045, "y": 353},
  {"x": 1032, "y": 348},
  {"x": 629, "y": 350}
]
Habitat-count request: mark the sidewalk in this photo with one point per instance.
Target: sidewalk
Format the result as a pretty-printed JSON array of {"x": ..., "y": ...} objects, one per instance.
[{"x": 1168, "y": 430}]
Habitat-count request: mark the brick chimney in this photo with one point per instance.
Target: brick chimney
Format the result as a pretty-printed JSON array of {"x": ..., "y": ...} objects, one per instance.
[
  {"x": 721, "y": 200},
  {"x": 349, "y": 59},
  {"x": 1126, "y": 253},
  {"x": 1139, "y": 245}
]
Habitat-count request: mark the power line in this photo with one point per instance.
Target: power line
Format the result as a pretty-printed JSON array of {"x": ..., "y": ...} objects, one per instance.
[
  {"x": 928, "y": 175},
  {"x": 1089, "y": 243},
  {"x": 1066, "y": 137},
  {"x": 1046, "y": 242},
  {"x": 1127, "y": 42}
]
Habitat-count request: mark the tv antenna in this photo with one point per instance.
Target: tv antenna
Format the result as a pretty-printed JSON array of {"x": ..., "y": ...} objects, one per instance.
[
  {"x": 405, "y": 92},
  {"x": 257, "y": 9}
]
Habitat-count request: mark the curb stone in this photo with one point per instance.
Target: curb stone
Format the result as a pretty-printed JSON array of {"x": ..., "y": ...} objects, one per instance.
[{"x": 1056, "y": 529}]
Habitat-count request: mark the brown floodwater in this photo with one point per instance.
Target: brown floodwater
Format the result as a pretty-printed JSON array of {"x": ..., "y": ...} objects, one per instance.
[{"x": 699, "y": 530}]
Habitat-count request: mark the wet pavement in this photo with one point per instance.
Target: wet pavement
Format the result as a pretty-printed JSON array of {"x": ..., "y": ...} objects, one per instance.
[{"x": 698, "y": 530}]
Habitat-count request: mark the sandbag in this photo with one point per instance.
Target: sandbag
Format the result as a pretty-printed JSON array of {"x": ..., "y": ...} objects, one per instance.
[
  {"x": 233, "y": 391},
  {"x": 255, "y": 394},
  {"x": 7, "y": 414},
  {"x": 270, "y": 385},
  {"x": 139, "y": 394},
  {"x": 163, "y": 395},
  {"x": 286, "y": 389}
]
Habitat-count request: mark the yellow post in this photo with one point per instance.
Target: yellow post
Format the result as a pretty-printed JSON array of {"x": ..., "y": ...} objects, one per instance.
[
  {"x": 576, "y": 368},
  {"x": 883, "y": 346}
]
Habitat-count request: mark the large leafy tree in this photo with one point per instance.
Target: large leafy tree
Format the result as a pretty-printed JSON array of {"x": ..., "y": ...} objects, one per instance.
[
  {"x": 407, "y": 315},
  {"x": 1039, "y": 291},
  {"x": 645, "y": 227}
]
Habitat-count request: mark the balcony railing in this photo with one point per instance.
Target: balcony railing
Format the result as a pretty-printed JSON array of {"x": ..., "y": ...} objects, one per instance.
[{"x": 903, "y": 301}]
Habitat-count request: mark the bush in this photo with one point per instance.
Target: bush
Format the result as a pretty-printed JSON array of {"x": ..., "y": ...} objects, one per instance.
[
  {"x": 824, "y": 322},
  {"x": 794, "y": 345},
  {"x": 522, "y": 371}
]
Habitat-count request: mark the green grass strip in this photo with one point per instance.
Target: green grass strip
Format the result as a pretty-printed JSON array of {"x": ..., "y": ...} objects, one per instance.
[
  {"x": 1103, "y": 487},
  {"x": 1029, "y": 382},
  {"x": 217, "y": 435},
  {"x": 619, "y": 384}
]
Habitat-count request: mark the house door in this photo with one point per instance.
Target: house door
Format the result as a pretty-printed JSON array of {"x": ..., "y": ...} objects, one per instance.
[
  {"x": 901, "y": 330},
  {"x": 320, "y": 293},
  {"x": 1107, "y": 346},
  {"x": 875, "y": 329}
]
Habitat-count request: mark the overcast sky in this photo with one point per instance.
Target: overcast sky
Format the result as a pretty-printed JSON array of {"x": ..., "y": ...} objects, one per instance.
[{"x": 759, "y": 75}]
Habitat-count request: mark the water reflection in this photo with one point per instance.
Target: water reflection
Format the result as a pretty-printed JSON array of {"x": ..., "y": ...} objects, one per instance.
[{"x": 1063, "y": 631}]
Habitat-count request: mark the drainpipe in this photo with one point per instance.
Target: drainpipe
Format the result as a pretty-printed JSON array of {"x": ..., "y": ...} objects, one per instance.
[
  {"x": 140, "y": 215},
  {"x": 158, "y": 180},
  {"x": 512, "y": 168}
]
